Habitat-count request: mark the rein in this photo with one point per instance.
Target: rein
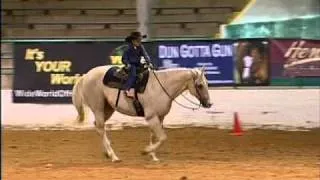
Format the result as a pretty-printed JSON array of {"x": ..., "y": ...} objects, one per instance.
[{"x": 172, "y": 99}]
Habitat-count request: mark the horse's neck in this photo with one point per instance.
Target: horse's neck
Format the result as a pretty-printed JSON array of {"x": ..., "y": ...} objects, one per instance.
[{"x": 175, "y": 81}]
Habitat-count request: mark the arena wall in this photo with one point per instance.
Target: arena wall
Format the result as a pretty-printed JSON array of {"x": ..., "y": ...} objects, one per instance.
[{"x": 289, "y": 109}]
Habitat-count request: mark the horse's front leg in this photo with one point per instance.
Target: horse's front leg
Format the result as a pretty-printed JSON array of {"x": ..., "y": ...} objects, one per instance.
[
  {"x": 153, "y": 139},
  {"x": 156, "y": 128}
]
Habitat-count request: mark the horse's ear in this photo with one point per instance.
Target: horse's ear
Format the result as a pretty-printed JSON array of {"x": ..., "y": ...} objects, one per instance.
[
  {"x": 195, "y": 73},
  {"x": 202, "y": 70}
]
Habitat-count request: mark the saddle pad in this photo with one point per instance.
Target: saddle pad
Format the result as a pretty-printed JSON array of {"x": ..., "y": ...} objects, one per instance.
[{"x": 116, "y": 77}]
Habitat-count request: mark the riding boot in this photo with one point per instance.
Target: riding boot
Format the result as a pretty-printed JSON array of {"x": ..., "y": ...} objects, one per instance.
[{"x": 130, "y": 92}]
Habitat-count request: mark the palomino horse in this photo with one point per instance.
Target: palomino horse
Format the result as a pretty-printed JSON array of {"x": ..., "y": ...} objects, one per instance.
[{"x": 162, "y": 88}]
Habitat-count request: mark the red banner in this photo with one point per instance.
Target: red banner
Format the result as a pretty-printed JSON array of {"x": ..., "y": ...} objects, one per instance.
[{"x": 295, "y": 58}]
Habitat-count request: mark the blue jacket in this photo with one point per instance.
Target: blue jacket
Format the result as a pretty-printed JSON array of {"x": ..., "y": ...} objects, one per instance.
[{"x": 133, "y": 55}]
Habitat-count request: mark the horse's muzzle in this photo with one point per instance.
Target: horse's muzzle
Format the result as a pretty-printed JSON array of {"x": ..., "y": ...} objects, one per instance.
[{"x": 207, "y": 105}]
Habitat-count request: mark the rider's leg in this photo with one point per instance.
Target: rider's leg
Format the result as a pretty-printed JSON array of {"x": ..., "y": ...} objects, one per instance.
[{"x": 131, "y": 81}]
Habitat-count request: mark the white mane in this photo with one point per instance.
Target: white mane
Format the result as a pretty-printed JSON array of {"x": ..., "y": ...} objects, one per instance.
[
  {"x": 195, "y": 71},
  {"x": 173, "y": 69}
]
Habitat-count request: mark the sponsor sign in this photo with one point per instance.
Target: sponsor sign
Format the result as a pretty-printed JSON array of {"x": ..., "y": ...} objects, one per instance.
[
  {"x": 46, "y": 72},
  {"x": 295, "y": 58},
  {"x": 251, "y": 62},
  {"x": 215, "y": 56}
]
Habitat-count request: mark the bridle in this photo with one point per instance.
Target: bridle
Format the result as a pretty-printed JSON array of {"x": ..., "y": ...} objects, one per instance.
[{"x": 173, "y": 99}]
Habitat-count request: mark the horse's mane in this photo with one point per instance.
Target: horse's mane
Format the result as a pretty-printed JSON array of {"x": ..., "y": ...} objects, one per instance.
[
  {"x": 173, "y": 69},
  {"x": 195, "y": 71}
]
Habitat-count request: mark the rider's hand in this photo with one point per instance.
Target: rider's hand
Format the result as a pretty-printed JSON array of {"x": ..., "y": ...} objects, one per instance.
[{"x": 150, "y": 66}]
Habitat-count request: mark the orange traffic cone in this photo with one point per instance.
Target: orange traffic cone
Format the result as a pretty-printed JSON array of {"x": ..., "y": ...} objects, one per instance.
[{"x": 237, "y": 130}]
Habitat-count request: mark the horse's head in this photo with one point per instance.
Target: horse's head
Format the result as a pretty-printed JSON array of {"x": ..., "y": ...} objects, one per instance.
[{"x": 199, "y": 87}]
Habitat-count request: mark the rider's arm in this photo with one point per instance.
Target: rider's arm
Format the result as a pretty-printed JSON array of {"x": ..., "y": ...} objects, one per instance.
[
  {"x": 125, "y": 58},
  {"x": 130, "y": 57},
  {"x": 145, "y": 54}
]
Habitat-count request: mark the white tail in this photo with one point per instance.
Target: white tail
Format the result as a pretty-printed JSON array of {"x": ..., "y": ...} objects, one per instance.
[{"x": 77, "y": 100}]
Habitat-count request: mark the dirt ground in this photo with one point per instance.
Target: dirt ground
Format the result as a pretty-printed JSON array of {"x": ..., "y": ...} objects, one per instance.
[{"x": 188, "y": 154}]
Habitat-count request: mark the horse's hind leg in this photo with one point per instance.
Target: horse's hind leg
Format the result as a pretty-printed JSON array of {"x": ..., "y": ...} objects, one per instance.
[
  {"x": 108, "y": 111},
  {"x": 100, "y": 118}
]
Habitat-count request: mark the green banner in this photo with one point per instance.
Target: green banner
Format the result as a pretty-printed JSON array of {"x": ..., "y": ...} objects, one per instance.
[{"x": 306, "y": 28}]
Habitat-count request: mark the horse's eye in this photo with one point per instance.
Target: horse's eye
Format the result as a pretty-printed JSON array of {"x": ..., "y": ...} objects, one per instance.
[{"x": 200, "y": 86}]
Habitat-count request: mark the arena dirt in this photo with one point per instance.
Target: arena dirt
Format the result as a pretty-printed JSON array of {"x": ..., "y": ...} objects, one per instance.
[{"x": 189, "y": 154}]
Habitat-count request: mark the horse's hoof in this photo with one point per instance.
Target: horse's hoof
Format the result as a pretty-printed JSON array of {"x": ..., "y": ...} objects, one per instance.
[
  {"x": 156, "y": 160},
  {"x": 116, "y": 160},
  {"x": 144, "y": 152},
  {"x": 106, "y": 155}
]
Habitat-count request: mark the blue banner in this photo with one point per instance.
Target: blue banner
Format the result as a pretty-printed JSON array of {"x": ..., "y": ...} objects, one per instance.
[{"x": 215, "y": 56}]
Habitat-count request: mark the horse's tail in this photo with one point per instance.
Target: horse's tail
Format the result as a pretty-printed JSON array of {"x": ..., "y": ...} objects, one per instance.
[{"x": 78, "y": 101}]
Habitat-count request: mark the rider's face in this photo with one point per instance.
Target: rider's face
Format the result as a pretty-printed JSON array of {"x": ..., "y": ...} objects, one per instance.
[{"x": 136, "y": 42}]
